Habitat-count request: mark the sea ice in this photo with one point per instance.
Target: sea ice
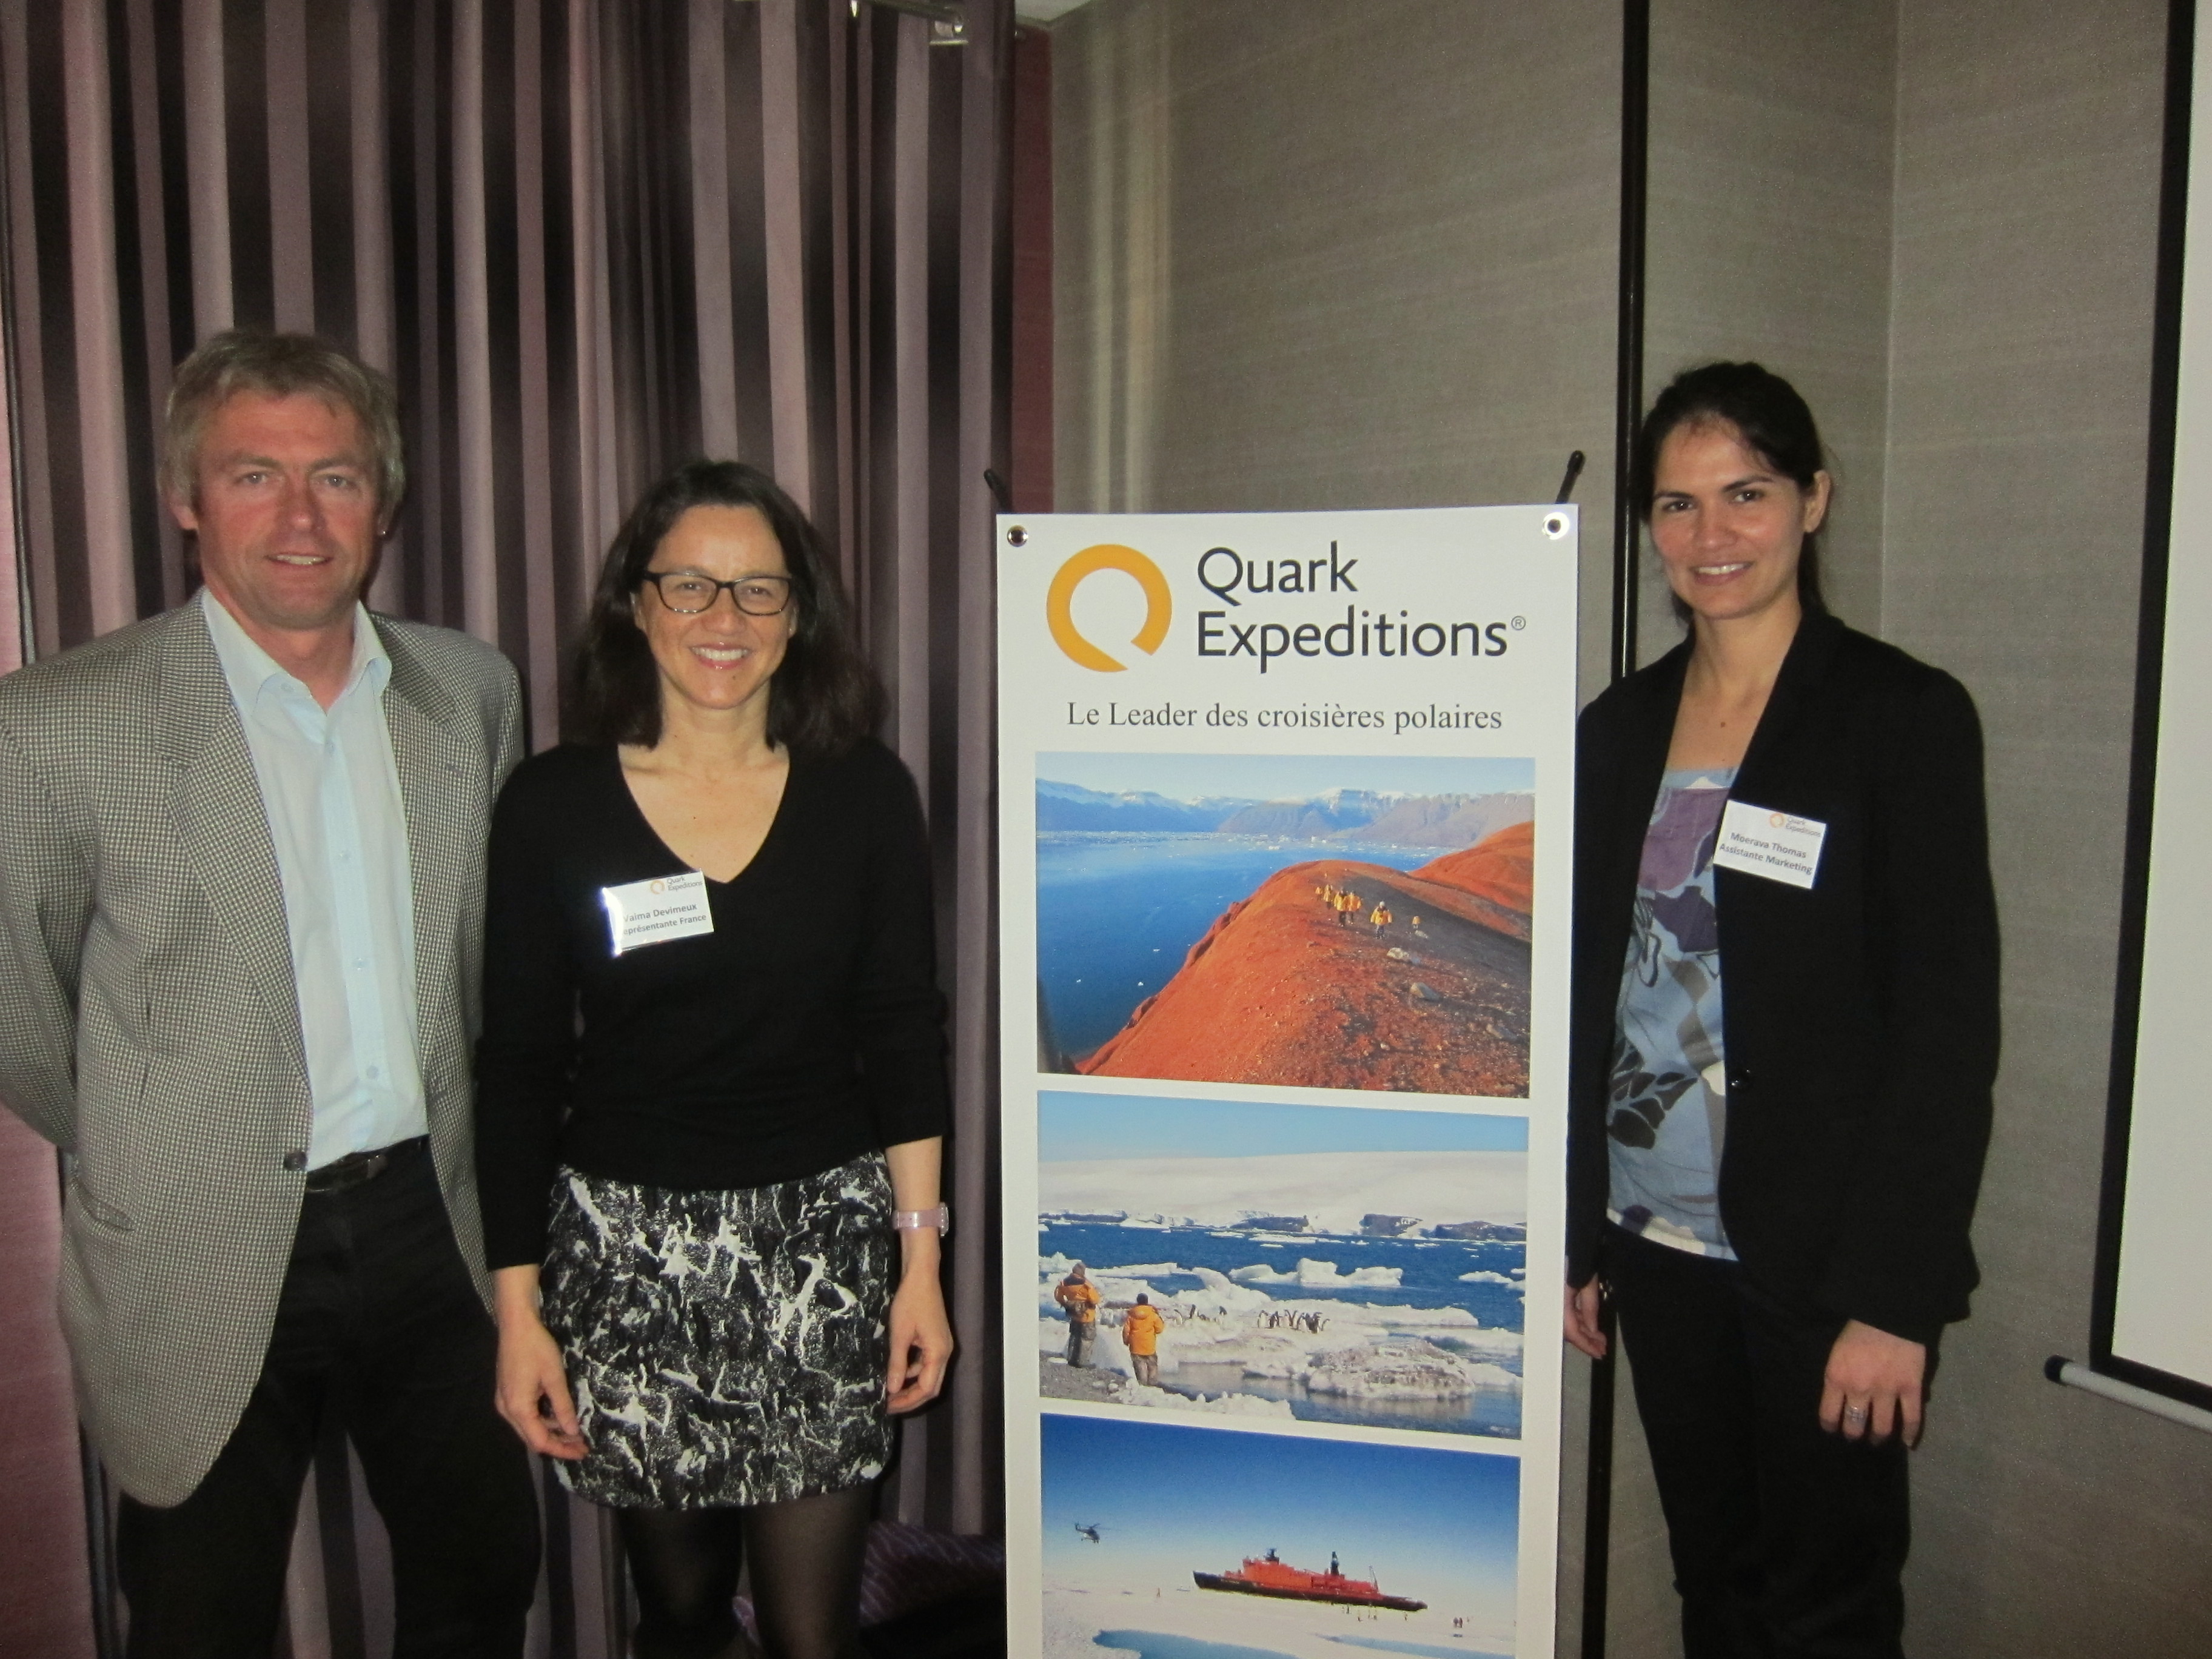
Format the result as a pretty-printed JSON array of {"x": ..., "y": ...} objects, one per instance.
[
  {"x": 1133, "y": 1393},
  {"x": 1402, "y": 1370},
  {"x": 1321, "y": 1275},
  {"x": 1089, "y": 1596}
]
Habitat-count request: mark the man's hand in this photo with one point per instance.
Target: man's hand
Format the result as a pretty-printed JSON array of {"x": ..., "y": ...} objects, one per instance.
[
  {"x": 1873, "y": 1386},
  {"x": 1584, "y": 1328}
]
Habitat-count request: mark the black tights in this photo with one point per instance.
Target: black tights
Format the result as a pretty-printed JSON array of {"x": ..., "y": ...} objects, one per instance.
[{"x": 806, "y": 1556}]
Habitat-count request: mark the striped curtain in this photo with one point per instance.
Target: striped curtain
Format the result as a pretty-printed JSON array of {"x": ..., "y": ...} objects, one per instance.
[{"x": 588, "y": 239}]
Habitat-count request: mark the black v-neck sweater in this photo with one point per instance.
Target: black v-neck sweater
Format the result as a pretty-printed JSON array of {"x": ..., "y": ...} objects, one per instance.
[{"x": 807, "y": 1029}]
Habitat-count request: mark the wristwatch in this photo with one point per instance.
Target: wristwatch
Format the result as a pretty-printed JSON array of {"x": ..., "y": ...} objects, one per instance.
[{"x": 915, "y": 1221}]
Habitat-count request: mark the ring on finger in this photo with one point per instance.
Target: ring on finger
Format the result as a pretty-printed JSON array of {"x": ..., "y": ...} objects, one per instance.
[{"x": 1855, "y": 1413}]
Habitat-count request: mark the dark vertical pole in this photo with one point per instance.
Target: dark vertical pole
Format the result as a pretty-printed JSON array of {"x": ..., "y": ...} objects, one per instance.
[
  {"x": 1635, "y": 131},
  {"x": 1597, "y": 1514},
  {"x": 614, "y": 1588},
  {"x": 1628, "y": 410},
  {"x": 100, "y": 1553},
  {"x": 99, "y": 1528}
]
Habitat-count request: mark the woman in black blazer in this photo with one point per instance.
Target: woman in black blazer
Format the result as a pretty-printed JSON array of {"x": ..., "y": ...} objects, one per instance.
[{"x": 1785, "y": 1036}]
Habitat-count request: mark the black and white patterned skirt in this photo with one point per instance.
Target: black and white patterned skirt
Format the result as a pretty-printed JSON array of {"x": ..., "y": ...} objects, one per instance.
[{"x": 724, "y": 1347}]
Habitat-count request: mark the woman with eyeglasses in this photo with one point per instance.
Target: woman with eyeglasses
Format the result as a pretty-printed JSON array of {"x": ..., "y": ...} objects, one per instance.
[
  {"x": 712, "y": 1078},
  {"x": 1784, "y": 1040}
]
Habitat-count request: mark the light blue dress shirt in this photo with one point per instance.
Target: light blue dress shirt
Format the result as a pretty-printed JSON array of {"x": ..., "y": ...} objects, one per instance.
[{"x": 331, "y": 791}]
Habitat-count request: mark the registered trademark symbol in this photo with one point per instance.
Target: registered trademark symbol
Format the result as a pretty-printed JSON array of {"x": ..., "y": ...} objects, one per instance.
[{"x": 1520, "y": 622}]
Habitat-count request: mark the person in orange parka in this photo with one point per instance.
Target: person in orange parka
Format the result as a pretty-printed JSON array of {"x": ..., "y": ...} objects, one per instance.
[
  {"x": 1140, "y": 1330},
  {"x": 1080, "y": 1296}
]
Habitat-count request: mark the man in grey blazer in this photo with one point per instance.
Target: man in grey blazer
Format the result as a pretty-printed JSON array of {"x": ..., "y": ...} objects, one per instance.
[{"x": 240, "y": 917}]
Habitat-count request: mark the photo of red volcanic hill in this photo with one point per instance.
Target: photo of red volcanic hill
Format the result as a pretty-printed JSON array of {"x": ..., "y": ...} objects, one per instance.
[{"x": 1300, "y": 985}]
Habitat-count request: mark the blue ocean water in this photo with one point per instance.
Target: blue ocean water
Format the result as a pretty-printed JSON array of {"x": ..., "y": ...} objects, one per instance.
[
  {"x": 1427, "y": 1650},
  {"x": 1429, "y": 1269},
  {"x": 1117, "y": 913}
]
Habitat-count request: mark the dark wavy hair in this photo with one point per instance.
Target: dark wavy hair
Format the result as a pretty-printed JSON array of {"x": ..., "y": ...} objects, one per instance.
[
  {"x": 824, "y": 697},
  {"x": 1774, "y": 424}
]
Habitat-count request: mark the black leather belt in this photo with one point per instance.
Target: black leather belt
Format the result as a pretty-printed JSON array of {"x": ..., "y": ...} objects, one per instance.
[{"x": 355, "y": 1169}]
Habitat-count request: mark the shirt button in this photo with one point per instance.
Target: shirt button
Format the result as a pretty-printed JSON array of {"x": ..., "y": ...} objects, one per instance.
[
  {"x": 295, "y": 1160},
  {"x": 374, "y": 1072},
  {"x": 361, "y": 962}
]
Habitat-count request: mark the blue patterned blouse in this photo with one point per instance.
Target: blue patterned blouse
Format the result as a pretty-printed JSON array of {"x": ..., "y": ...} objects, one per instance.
[{"x": 1669, "y": 1115}]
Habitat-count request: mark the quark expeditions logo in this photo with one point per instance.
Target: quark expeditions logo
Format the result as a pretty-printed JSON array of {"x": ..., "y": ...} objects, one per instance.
[{"x": 1060, "y": 601}]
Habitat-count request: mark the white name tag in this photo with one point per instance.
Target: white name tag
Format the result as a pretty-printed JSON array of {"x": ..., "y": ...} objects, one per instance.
[
  {"x": 1760, "y": 842},
  {"x": 656, "y": 911}
]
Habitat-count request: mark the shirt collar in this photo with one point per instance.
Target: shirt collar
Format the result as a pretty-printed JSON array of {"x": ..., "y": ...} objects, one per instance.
[{"x": 252, "y": 671}]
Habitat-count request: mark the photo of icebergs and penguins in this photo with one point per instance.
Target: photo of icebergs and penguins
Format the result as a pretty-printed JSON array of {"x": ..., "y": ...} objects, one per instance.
[
  {"x": 1137, "y": 1513},
  {"x": 1311, "y": 1263},
  {"x": 1332, "y": 922}
]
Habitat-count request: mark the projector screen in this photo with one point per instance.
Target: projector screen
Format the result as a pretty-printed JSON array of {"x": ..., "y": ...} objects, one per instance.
[{"x": 2153, "y": 1315}]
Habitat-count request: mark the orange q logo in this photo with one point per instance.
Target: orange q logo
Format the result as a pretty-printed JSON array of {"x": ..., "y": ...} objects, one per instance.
[{"x": 1059, "y": 598}]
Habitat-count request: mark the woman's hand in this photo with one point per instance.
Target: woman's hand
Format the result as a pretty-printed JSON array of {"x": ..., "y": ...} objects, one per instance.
[
  {"x": 533, "y": 1388},
  {"x": 1873, "y": 1386},
  {"x": 922, "y": 1336},
  {"x": 1584, "y": 1328}
]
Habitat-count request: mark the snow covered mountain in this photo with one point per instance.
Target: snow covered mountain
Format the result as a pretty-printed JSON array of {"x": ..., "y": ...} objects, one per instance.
[
  {"x": 1329, "y": 1192},
  {"x": 1373, "y": 815},
  {"x": 1071, "y": 806}
]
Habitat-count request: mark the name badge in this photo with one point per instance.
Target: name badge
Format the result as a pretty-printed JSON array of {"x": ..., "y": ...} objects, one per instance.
[
  {"x": 653, "y": 912},
  {"x": 1775, "y": 845}
]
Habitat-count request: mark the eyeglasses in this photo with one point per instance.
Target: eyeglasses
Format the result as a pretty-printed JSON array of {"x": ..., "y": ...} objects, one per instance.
[{"x": 689, "y": 595}]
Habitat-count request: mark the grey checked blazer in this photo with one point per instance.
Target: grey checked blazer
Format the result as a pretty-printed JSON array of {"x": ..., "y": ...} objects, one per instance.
[{"x": 149, "y": 1022}]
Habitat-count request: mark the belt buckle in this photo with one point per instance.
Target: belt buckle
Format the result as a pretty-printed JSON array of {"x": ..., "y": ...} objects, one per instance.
[{"x": 354, "y": 1170}]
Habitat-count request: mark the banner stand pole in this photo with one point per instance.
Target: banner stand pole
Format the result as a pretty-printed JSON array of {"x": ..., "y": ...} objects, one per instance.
[
  {"x": 1597, "y": 1514},
  {"x": 1635, "y": 135}
]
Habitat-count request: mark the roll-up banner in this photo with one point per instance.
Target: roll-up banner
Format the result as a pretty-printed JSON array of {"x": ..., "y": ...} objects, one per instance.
[{"x": 1285, "y": 821}]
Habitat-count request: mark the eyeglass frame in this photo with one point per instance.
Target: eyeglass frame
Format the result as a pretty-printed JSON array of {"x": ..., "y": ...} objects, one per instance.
[{"x": 656, "y": 577}]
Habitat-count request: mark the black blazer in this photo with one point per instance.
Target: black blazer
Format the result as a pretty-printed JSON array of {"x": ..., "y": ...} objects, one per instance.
[{"x": 1859, "y": 1018}]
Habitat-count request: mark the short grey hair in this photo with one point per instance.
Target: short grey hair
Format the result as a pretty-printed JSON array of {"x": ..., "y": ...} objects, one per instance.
[{"x": 280, "y": 366}]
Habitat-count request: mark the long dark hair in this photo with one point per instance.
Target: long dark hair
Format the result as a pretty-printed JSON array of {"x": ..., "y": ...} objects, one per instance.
[
  {"x": 1774, "y": 424},
  {"x": 824, "y": 697}
]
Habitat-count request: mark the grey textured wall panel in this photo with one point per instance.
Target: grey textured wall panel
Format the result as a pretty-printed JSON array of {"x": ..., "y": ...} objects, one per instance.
[
  {"x": 1772, "y": 154},
  {"x": 1309, "y": 254},
  {"x": 2049, "y": 1522}
]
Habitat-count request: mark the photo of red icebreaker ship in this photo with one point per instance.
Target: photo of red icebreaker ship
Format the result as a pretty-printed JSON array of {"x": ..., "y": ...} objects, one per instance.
[{"x": 1268, "y": 1575}]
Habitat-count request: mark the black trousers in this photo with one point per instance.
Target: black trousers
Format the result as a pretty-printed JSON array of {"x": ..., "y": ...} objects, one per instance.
[
  {"x": 380, "y": 1324},
  {"x": 1788, "y": 1541}
]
